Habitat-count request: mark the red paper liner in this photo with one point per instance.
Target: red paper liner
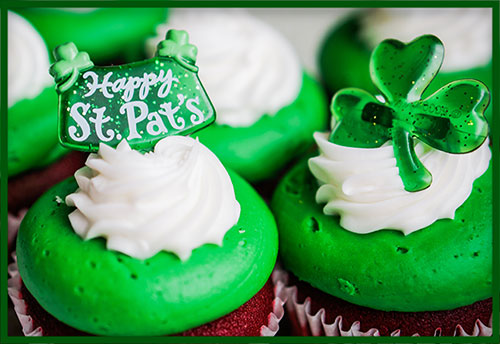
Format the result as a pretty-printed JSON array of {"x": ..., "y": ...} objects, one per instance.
[
  {"x": 307, "y": 322},
  {"x": 30, "y": 326}
]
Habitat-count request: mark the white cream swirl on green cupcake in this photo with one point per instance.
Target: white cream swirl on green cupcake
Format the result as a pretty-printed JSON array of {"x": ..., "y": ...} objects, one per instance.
[
  {"x": 28, "y": 61},
  {"x": 247, "y": 67},
  {"x": 363, "y": 185},
  {"x": 175, "y": 199},
  {"x": 465, "y": 32}
]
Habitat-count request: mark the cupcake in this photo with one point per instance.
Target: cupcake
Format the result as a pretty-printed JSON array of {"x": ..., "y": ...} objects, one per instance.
[
  {"x": 388, "y": 231},
  {"x": 465, "y": 32},
  {"x": 108, "y": 34},
  {"x": 267, "y": 105},
  {"x": 31, "y": 99},
  {"x": 180, "y": 259},
  {"x": 34, "y": 157},
  {"x": 144, "y": 241}
]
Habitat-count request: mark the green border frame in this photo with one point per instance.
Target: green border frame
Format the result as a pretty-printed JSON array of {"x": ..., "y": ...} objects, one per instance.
[{"x": 495, "y": 136}]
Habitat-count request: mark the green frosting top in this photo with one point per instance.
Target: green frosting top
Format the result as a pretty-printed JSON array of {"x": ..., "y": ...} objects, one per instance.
[
  {"x": 452, "y": 119},
  {"x": 443, "y": 266},
  {"x": 105, "y": 292}
]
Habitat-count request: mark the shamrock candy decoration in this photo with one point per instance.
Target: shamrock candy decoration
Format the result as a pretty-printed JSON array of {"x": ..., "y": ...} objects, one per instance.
[
  {"x": 452, "y": 119},
  {"x": 176, "y": 45},
  {"x": 69, "y": 64}
]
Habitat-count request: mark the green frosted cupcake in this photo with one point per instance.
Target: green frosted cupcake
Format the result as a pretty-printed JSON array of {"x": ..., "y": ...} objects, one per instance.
[
  {"x": 158, "y": 244},
  {"x": 32, "y": 124},
  {"x": 153, "y": 236},
  {"x": 35, "y": 160},
  {"x": 392, "y": 221}
]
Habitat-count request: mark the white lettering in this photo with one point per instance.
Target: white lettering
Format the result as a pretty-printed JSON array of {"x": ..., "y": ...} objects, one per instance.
[
  {"x": 80, "y": 120},
  {"x": 157, "y": 122},
  {"x": 106, "y": 84},
  {"x": 132, "y": 119},
  {"x": 167, "y": 81},
  {"x": 92, "y": 86},
  {"x": 99, "y": 120},
  {"x": 128, "y": 86},
  {"x": 166, "y": 110},
  {"x": 132, "y": 83},
  {"x": 148, "y": 81},
  {"x": 197, "y": 116},
  {"x": 118, "y": 84}
]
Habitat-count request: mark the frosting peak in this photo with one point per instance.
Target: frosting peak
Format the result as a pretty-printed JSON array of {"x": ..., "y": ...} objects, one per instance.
[
  {"x": 28, "y": 61},
  {"x": 247, "y": 67},
  {"x": 465, "y": 32},
  {"x": 175, "y": 199},
  {"x": 363, "y": 186}
]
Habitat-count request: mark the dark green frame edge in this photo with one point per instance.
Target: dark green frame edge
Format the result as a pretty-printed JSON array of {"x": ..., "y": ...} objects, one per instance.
[
  {"x": 3, "y": 174},
  {"x": 495, "y": 134}
]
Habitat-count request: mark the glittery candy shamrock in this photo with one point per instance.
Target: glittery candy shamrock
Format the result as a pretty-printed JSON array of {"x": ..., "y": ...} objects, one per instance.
[
  {"x": 176, "y": 46},
  {"x": 69, "y": 64},
  {"x": 451, "y": 120}
]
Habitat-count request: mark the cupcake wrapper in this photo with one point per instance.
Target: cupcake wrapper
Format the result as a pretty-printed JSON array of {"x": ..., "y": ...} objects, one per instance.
[
  {"x": 278, "y": 312},
  {"x": 14, "y": 284},
  {"x": 317, "y": 326},
  {"x": 14, "y": 290}
]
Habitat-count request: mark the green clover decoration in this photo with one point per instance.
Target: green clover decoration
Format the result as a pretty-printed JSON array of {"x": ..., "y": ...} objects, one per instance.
[
  {"x": 69, "y": 64},
  {"x": 451, "y": 120},
  {"x": 176, "y": 45}
]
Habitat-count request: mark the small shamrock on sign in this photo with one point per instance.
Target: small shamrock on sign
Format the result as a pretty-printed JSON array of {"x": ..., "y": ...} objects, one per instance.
[
  {"x": 451, "y": 120},
  {"x": 176, "y": 45},
  {"x": 69, "y": 64}
]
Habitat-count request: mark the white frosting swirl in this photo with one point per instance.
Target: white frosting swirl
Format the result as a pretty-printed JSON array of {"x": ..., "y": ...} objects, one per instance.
[
  {"x": 363, "y": 186},
  {"x": 246, "y": 66},
  {"x": 28, "y": 61},
  {"x": 175, "y": 199},
  {"x": 465, "y": 32}
]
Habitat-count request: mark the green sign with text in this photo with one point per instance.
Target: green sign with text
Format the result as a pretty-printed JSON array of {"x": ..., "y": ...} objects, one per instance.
[{"x": 140, "y": 102}]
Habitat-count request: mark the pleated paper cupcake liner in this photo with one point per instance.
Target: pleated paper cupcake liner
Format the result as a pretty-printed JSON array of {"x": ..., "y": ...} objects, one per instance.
[
  {"x": 315, "y": 324},
  {"x": 31, "y": 328}
]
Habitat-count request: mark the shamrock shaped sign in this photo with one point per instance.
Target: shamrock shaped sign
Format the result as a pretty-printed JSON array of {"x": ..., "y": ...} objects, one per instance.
[
  {"x": 141, "y": 102},
  {"x": 452, "y": 119}
]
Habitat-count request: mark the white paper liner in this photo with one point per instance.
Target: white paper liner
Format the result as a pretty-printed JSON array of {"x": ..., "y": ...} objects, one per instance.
[
  {"x": 278, "y": 310},
  {"x": 14, "y": 290},
  {"x": 14, "y": 284},
  {"x": 316, "y": 323}
]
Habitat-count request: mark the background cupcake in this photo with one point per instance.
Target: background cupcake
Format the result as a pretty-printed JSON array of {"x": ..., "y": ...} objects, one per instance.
[
  {"x": 266, "y": 104},
  {"x": 107, "y": 34},
  {"x": 465, "y": 32},
  {"x": 34, "y": 158},
  {"x": 31, "y": 99}
]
